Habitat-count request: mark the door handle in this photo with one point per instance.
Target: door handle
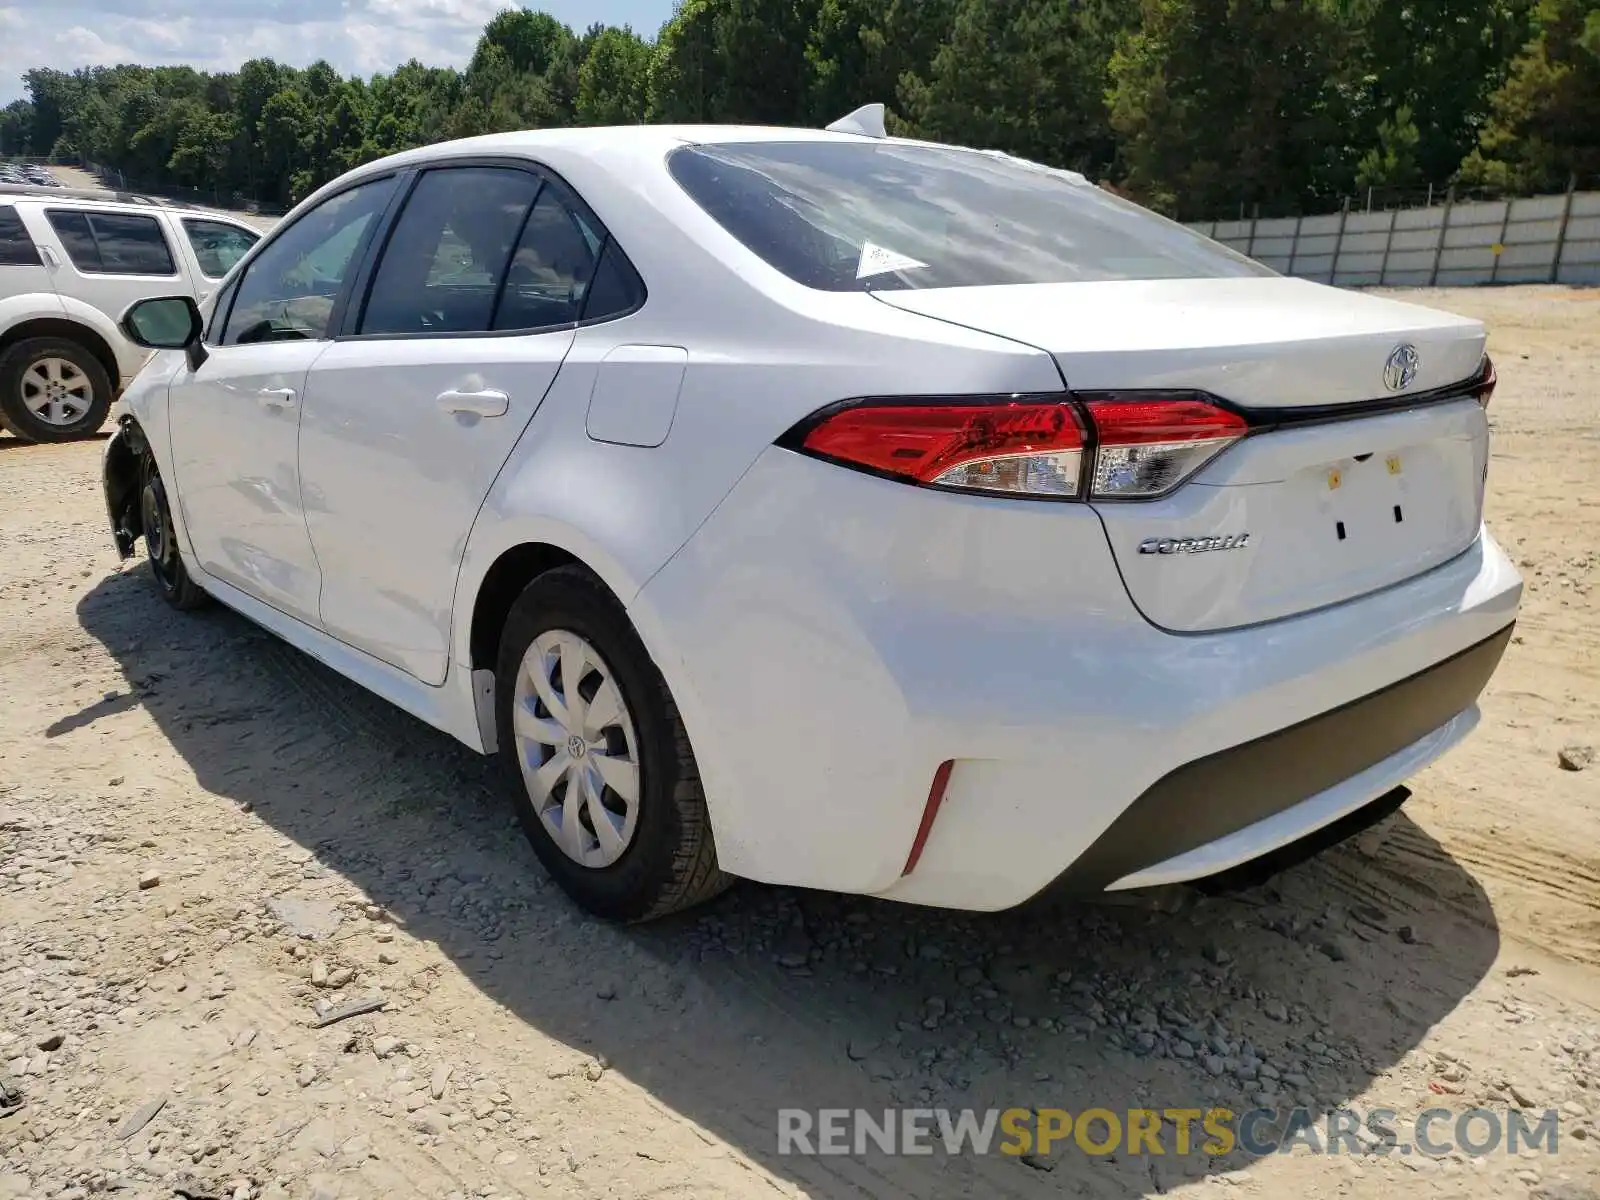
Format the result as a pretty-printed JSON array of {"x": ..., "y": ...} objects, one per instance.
[
  {"x": 276, "y": 397},
  {"x": 49, "y": 257},
  {"x": 491, "y": 402}
]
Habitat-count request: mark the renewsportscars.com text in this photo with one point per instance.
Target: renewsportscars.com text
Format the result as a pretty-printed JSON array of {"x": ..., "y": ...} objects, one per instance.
[{"x": 1433, "y": 1132}]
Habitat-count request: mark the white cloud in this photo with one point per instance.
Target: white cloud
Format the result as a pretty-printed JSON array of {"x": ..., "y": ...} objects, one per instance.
[{"x": 356, "y": 36}]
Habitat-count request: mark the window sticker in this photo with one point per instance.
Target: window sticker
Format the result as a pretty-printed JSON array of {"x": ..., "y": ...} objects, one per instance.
[{"x": 875, "y": 260}]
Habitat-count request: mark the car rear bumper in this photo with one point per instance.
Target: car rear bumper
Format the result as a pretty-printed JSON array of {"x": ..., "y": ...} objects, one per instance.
[
  {"x": 1231, "y": 807},
  {"x": 833, "y": 638}
]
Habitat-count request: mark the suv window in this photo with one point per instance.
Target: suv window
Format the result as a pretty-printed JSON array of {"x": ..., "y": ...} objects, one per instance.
[
  {"x": 16, "y": 247},
  {"x": 217, "y": 246},
  {"x": 107, "y": 243},
  {"x": 552, "y": 267},
  {"x": 446, "y": 259},
  {"x": 289, "y": 291}
]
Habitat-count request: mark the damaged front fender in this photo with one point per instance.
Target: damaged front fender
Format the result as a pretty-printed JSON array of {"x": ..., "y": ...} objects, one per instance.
[{"x": 120, "y": 470}]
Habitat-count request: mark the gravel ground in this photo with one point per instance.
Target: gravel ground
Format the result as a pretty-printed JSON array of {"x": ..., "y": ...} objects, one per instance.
[{"x": 209, "y": 845}]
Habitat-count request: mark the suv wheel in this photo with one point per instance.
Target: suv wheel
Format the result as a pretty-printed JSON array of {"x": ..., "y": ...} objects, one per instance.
[
  {"x": 605, "y": 780},
  {"x": 53, "y": 390}
]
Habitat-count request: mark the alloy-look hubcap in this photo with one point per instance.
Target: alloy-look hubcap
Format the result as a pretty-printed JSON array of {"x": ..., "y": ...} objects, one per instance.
[
  {"x": 576, "y": 744},
  {"x": 56, "y": 392}
]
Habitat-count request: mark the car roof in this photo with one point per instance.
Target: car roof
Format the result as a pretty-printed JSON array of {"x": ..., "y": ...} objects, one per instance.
[
  {"x": 616, "y": 144},
  {"x": 109, "y": 201}
]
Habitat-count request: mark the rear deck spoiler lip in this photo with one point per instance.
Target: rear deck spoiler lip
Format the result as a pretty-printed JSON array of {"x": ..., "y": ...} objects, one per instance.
[{"x": 1263, "y": 420}]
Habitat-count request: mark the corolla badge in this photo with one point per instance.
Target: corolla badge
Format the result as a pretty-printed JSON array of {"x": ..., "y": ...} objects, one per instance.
[
  {"x": 1194, "y": 545},
  {"x": 1400, "y": 371}
]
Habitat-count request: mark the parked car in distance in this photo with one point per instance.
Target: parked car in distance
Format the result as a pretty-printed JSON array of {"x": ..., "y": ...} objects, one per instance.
[
  {"x": 70, "y": 265},
  {"x": 835, "y": 510}
]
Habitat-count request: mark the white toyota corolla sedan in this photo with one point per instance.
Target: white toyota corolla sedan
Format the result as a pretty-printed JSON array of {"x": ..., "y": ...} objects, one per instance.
[{"x": 835, "y": 510}]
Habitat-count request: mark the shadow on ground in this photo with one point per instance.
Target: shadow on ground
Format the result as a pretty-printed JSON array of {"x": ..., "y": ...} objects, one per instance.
[
  {"x": 776, "y": 998},
  {"x": 10, "y": 441}
]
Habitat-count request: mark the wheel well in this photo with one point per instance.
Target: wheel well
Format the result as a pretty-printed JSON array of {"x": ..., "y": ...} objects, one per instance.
[
  {"x": 122, "y": 483},
  {"x": 60, "y": 327},
  {"x": 511, "y": 572}
]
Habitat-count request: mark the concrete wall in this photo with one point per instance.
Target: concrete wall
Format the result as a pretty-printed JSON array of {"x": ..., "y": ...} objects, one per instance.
[{"x": 1542, "y": 239}]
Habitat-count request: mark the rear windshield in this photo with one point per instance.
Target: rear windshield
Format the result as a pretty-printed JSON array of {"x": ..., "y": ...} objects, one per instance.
[{"x": 850, "y": 216}]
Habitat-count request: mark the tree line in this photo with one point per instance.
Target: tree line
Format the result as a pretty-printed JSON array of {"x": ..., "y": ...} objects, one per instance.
[{"x": 1192, "y": 106}]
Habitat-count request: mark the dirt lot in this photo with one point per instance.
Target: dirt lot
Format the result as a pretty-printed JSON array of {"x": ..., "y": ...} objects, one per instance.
[{"x": 204, "y": 835}]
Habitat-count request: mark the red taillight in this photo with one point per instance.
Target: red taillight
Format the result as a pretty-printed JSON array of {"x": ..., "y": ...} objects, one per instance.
[
  {"x": 1011, "y": 445},
  {"x": 930, "y": 812},
  {"x": 1483, "y": 387},
  {"x": 1148, "y": 445},
  {"x": 1143, "y": 444}
]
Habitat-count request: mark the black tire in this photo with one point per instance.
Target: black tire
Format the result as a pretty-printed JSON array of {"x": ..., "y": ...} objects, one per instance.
[
  {"x": 161, "y": 541},
  {"x": 671, "y": 862},
  {"x": 88, "y": 374}
]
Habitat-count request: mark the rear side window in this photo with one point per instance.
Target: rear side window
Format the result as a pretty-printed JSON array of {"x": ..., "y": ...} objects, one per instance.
[
  {"x": 495, "y": 250},
  {"x": 855, "y": 216},
  {"x": 552, "y": 268},
  {"x": 444, "y": 263},
  {"x": 617, "y": 289},
  {"x": 105, "y": 243},
  {"x": 16, "y": 247},
  {"x": 217, "y": 246}
]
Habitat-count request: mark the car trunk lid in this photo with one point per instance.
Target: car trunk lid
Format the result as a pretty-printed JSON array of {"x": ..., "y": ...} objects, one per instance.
[{"x": 1345, "y": 484}]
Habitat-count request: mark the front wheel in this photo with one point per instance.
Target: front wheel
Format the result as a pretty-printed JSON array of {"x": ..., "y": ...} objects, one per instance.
[
  {"x": 606, "y": 785},
  {"x": 161, "y": 541},
  {"x": 53, "y": 390}
]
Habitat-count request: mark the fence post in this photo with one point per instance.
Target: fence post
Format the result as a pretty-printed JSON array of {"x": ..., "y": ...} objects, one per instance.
[
  {"x": 1338, "y": 242},
  {"x": 1255, "y": 219},
  {"x": 1500, "y": 244},
  {"x": 1444, "y": 228},
  {"x": 1561, "y": 236},
  {"x": 1294, "y": 246},
  {"x": 1388, "y": 241}
]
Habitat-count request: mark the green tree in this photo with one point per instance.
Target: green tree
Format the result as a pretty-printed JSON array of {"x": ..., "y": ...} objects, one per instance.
[
  {"x": 1442, "y": 60},
  {"x": 613, "y": 81},
  {"x": 1218, "y": 102},
  {"x": 1393, "y": 161},
  {"x": 1544, "y": 123},
  {"x": 686, "y": 77},
  {"x": 16, "y": 127},
  {"x": 1025, "y": 76}
]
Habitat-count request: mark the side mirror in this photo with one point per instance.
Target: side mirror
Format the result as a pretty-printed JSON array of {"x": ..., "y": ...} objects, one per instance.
[
  {"x": 163, "y": 323},
  {"x": 166, "y": 323}
]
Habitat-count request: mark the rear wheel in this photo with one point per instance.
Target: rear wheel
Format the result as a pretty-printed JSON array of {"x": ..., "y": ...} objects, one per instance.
[
  {"x": 53, "y": 389},
  {"x": 161, "y": 541},
  {"x": 607, "y": 789}
]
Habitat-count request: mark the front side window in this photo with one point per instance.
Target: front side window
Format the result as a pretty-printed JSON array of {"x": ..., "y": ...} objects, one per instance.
[
  {"x": 108, "y": 243},
  {"x": 857, "y": 216},
  {"x": 217, "y": 246},
  {"x": 444, "y": 263},
  {"x": 16, "y": 247},
  {"x": 288, "y": 293}
]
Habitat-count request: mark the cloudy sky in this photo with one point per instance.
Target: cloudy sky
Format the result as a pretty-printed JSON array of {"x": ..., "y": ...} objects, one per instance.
[{"x": 354, "y": 35}]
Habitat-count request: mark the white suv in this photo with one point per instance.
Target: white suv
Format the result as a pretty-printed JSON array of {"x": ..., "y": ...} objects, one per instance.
[{"x": 69, "y": 266}]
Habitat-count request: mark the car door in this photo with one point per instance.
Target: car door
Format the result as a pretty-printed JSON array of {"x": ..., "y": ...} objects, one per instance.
[
  {"x": 469, "y": 312},
  {"x": 22, "y": 267},
  {"x": 234, "y": 419},
  {"x": 112, "y": 258}
]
